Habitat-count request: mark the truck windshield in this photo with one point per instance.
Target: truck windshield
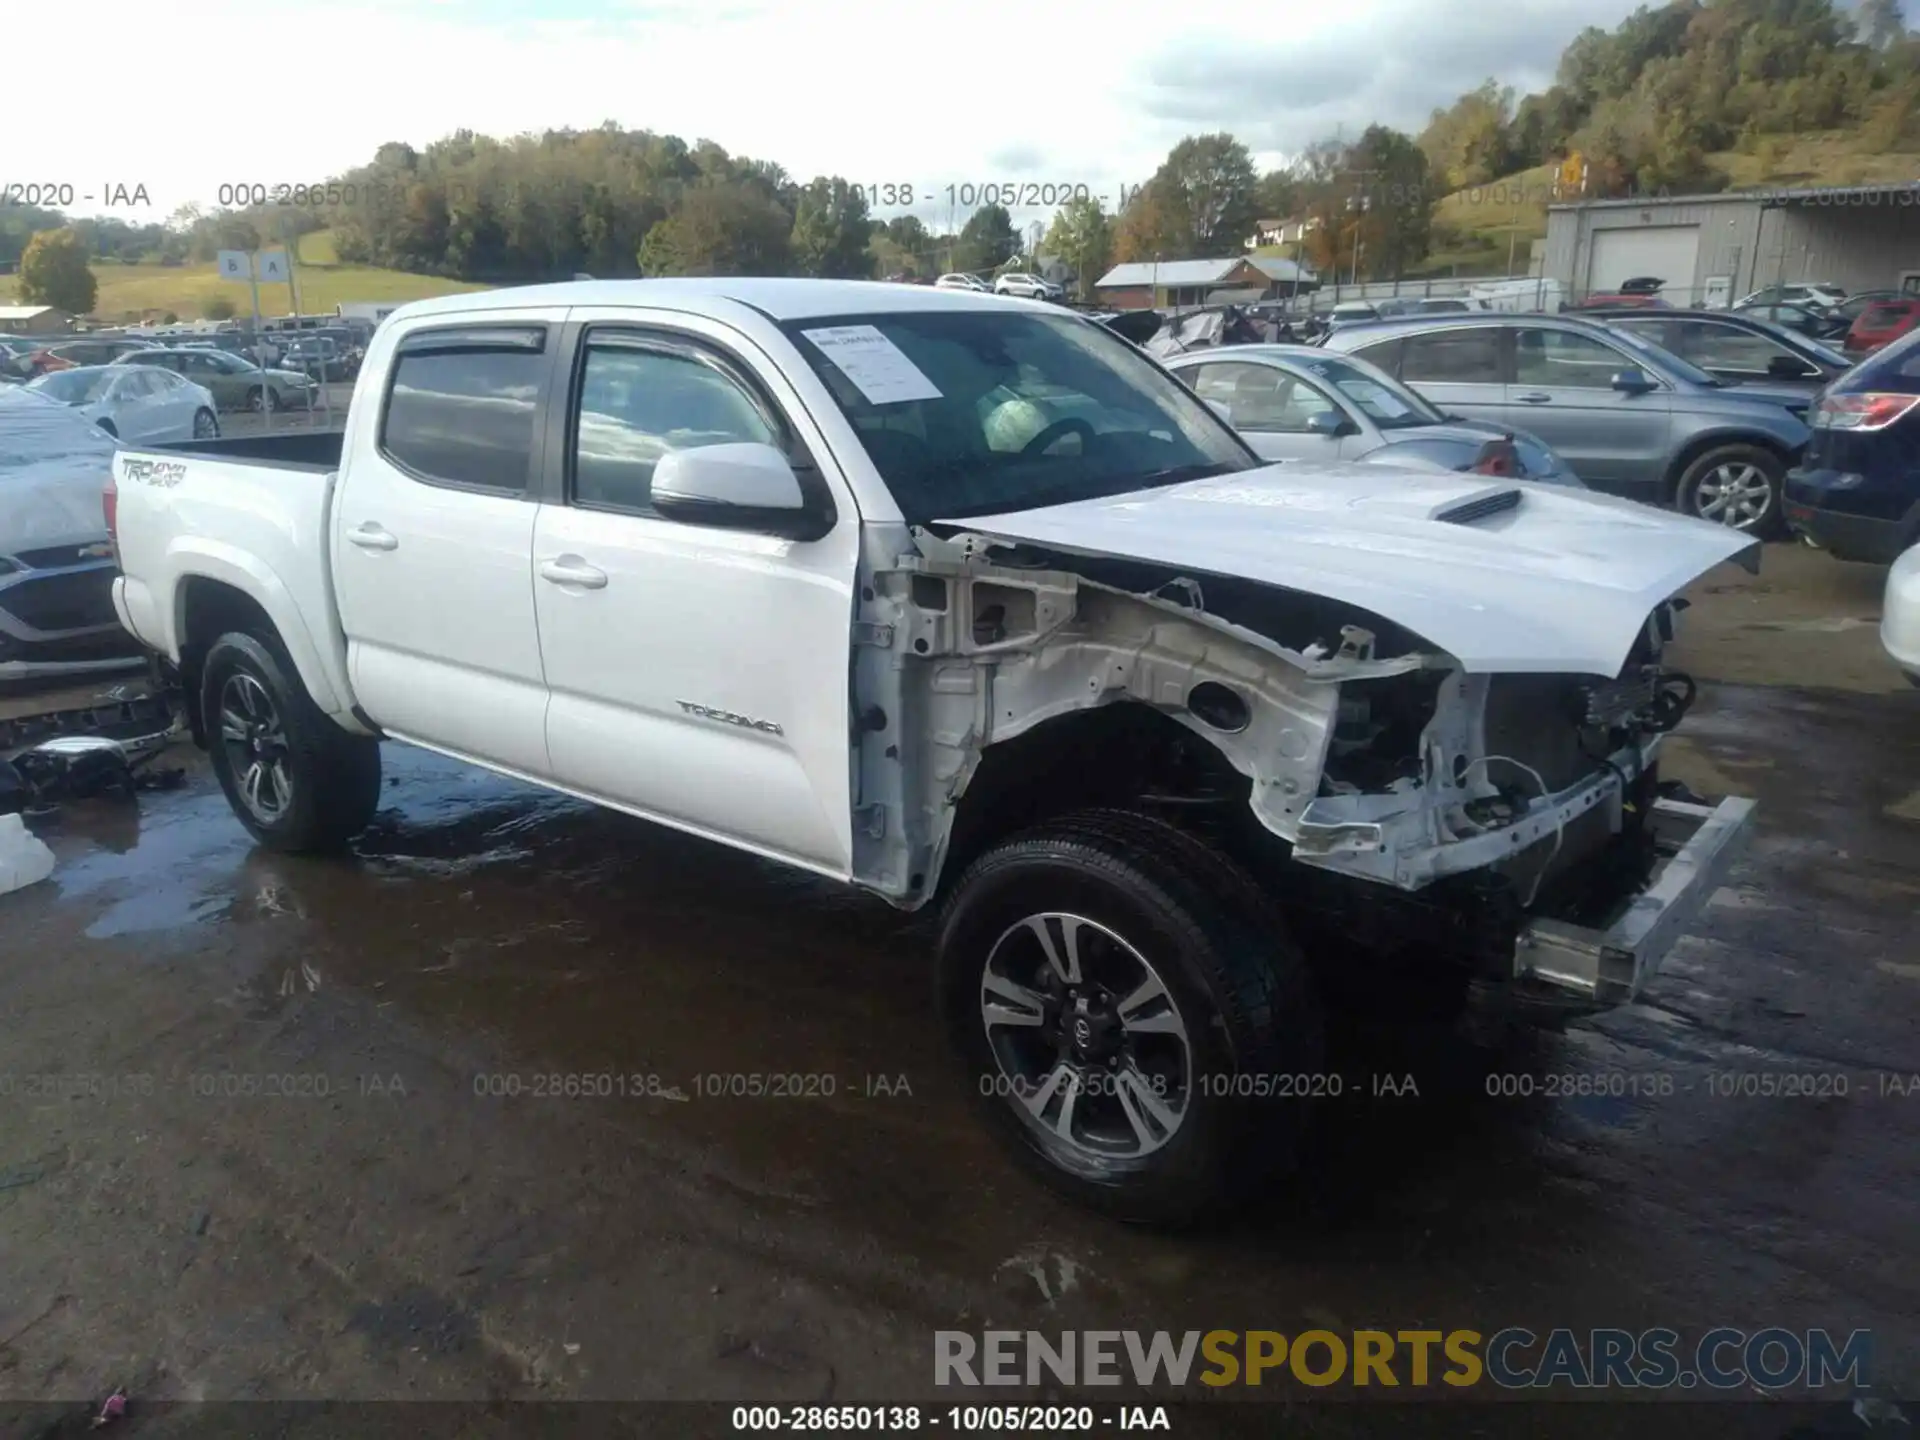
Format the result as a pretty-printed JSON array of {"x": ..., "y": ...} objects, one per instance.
[{"x": 969, "y": 412}]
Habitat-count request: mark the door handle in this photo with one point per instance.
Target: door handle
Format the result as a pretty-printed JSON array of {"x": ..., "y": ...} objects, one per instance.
[
  {"x": 371, "y": 537},
  {"x": 1533, "y": 397},
  {"x": 572, "y": 570}
]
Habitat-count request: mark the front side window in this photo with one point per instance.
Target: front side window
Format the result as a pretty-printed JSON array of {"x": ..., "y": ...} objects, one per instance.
[
  {"x": 638, "y": 403},
  {"x": 1726, "y": 347},
  {"x": 1453, "y": 357},
  {"x": 1388, "y": 403},
  {"x": 1259, "y": 397},
  {"x": 1563, "y": 360},
  {"x": 462, "y": 411},
  {"x": 971, "y": 412}
]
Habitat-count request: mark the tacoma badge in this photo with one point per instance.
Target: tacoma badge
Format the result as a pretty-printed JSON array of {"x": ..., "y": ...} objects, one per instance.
[{"x": 745, "y": 722}]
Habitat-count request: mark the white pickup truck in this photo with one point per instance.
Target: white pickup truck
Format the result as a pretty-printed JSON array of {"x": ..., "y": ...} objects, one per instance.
[{"x": 958, "y": 597}]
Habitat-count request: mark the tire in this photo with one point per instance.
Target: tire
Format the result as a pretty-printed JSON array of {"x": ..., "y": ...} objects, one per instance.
[
  {"x": 1162, "y": 907},
  {"x": 1742, "y": 467},
  {"x": 260, "y": 400},
  {"x": 321, "y": 783},
  {"x": 206, "y": 425}
]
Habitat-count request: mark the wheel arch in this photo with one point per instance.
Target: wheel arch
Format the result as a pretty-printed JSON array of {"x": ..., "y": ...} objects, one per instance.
[
  {"x": 222, "y": 594},
  {"x": 1699, "y": 445}
]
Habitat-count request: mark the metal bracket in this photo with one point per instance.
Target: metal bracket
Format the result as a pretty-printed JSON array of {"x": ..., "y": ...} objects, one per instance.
[
  {"x": 872, "y": 819},
  {"x": 868, "y": 632}
]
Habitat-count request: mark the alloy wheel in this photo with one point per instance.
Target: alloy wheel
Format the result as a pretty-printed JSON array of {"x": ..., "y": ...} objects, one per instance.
[
  {"x": 256, "y": 747},
  {"x": 1736, "y": 494},
  {"x": 1090, "y": 1045}
]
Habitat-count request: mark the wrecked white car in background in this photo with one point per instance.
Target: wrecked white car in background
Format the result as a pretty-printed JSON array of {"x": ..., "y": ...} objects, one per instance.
[{"x": 958, "y": 597}]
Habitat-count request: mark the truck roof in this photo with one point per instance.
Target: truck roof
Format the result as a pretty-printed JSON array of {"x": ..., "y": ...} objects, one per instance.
[{"x": 782, "y": 299}]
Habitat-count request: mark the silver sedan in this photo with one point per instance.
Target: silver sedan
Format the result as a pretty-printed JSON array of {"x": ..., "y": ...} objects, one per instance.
[{"x": 1296, "y": 402}]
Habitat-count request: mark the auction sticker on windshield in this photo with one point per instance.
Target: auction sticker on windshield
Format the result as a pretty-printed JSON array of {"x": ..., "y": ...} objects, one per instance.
[{"x": 877, "y": 366}]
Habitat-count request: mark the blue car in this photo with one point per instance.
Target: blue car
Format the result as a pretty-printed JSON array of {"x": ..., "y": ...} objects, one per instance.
[{"x": 1857, "y": 491}]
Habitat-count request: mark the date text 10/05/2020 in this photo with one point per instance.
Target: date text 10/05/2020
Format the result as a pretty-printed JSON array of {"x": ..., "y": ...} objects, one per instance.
[{"x": 1008, "y": 194}]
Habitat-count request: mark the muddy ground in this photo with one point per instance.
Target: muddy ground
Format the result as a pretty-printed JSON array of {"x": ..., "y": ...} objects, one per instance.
[{"x": 389, "y": 1229}]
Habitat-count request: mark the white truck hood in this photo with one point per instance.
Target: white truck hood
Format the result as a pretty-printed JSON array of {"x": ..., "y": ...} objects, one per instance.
[{"x": 1545, "y": 579}]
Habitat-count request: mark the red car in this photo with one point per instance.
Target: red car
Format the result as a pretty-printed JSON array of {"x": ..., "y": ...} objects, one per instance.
[{"x": 1883, "y": 322}]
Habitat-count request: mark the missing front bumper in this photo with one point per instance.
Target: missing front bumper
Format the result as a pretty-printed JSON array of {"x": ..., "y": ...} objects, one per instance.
[{"x": 1609, "y": 966}]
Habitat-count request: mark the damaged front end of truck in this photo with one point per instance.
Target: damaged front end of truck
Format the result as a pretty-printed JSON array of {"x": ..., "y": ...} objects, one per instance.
[{"x": 1499, "y": 842}]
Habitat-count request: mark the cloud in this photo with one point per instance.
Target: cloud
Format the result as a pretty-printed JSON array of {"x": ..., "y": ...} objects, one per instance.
[
  {"x": 879, "y": 91},
  {"x": 1389, "y": 61}
]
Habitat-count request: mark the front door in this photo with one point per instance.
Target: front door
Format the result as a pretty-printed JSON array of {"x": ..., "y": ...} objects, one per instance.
[
  {"x": 1563, "y": 392},
  {"x": 699, "y": 676},
  {"x": 1275, "y": 411},
  {"x": 433, "y": 540}
]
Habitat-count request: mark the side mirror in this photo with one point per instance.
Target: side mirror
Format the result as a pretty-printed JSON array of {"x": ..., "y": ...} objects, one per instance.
[
  {"x": 743, "y": 485},
  {"x": 1329, "y": 423},
  {"x": 1789, "y": 367},
  {"x": 1632, "y": 382}
]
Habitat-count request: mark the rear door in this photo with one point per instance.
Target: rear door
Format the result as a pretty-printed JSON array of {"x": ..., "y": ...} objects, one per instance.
[
  {"x": 433, "y": 538},
  {"x": 137, "y": 412},
  {"x": 699, "y": 676},
  {"x": 1462, "y": 371},
  {"x": 1563, "y": 392}
]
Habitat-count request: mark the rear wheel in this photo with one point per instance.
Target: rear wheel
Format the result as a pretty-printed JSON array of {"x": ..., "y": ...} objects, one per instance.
[
  {"x": 1737, "y": 486},
  {"x": 1124, "y": 1003},
  {"x": 260, "y": 400},
  {"x": 298, "y": 781}
]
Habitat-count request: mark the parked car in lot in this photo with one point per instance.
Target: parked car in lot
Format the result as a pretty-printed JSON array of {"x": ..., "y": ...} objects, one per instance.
[
  {"x": 1031, "y": 287},
  {"x": 1813, "y": 294},
  {"x": 318, "y": 358},
  {"x": 1882, "y": 323},
  {"x": 1900, "y": 614},
  {"x": 1730, "y": 345},
  {"x": 1350, "y": 312},
  {"x": 962, "y": 282},
  {"x": 1626, "y": 415},
  {"x": 1857, "y": 492},
  {"x": 1299, "y": 402},
  {"x": 1113, "y": 691},
  {"x": 234, "y": 382},
  {"x": 141, "y": 404},
  {"x": 1809, "y": 320},
  {"x": 1851, "y": 308},
  {"x": 92, "y": 352},
  {"x": 56, "y": 560}
]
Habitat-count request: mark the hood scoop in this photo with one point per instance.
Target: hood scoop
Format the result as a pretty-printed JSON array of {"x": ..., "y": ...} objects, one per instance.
[{"x": 1477, "y": 507}]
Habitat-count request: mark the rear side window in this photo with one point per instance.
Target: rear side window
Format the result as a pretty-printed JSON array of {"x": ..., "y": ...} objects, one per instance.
[
  {"x": 463, "y": 406},
  {"x": 1459, "y": 357}
]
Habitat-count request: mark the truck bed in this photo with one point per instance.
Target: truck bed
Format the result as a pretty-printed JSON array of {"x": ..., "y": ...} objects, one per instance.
[{"x": 295, "y": 450}]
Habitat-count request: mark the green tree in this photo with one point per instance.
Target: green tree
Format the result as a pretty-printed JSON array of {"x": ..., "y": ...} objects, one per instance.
[
  {"x": 1082, "y": 235},
  {"x": 217, "y": 307},
  {"x": 726, "y": 229},
  {"x": 831, "y": 230},
  {"x": 987, "y": 240},
  {"x": 53, "y": 271},
  {"x": 1390, "y": 173},
  {"x": 1208, "y": 187}
]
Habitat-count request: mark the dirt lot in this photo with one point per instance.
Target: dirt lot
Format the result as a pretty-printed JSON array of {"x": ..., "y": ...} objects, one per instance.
[{"x": 392, "y": 1228}]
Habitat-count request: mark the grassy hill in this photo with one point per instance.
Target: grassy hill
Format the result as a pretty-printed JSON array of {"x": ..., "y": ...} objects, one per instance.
[
  {"x": 129, "y": 292},
  {"x": 1473, "y": 225}
]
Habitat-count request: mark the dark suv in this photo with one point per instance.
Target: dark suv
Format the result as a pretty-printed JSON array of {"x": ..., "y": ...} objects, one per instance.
[
  {"x": 1626, "y": 415},
  {"x": 1857, "y": 493}
]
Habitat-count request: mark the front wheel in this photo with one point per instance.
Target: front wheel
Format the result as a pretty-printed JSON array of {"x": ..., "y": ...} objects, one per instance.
[
  {"x": 205, "y": 426},
  {"x": 298, "y": 781},
  {"x": 1109, "y": 982},
  {"x": 1737, "y": 486}
]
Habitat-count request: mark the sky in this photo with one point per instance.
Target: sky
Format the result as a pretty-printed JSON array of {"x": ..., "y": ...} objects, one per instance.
[{"x": 1074, "y": 92}]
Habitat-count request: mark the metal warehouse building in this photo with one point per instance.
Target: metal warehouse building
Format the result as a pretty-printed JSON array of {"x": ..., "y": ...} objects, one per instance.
[{"x": 1713, "y": 249}]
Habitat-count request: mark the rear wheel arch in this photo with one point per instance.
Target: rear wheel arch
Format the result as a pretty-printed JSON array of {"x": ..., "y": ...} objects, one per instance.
[{"x": 1694, "y": 449}]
